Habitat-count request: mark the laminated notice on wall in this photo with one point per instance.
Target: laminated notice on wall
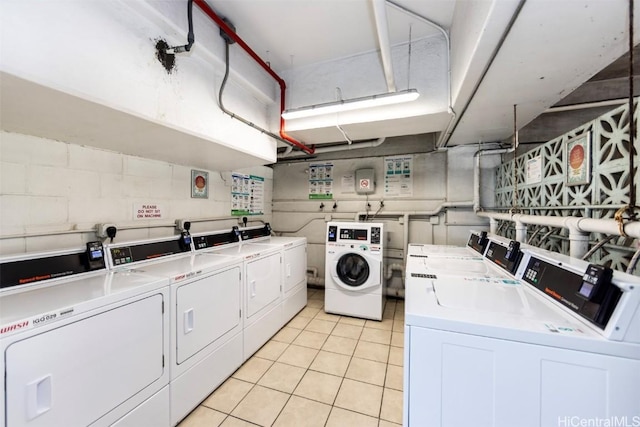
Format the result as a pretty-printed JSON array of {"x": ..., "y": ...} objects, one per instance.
[
  {"x": 398, "y": 180},
  {"x": 534, "y": 170},
  {"x": 321, "y": 181},
  {"x": 348, "y": 183},
  {"x": 247, "y": 194}
]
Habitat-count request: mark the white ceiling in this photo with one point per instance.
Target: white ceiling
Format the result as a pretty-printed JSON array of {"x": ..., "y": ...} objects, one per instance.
[
  {"x": 551, "y": 49},
  {"x": 297, "y": 33}
]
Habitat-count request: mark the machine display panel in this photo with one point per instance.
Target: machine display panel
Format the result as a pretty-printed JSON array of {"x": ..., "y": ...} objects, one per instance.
[
  {"x": 498, "y": 255},
  {"x": 353, "y": 234},
  {"x": 29, "y": 271},
  {"x": 477, "y": 242},
  {"x": 566, "y": 286},
  {"x": 211, "y": 240},
  {"x": 127, "y": 254}
]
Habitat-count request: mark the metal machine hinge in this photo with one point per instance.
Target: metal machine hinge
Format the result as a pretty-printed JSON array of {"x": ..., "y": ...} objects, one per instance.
[
  {"x": 162, "y": 307},
  {"x": 163, "y": 360},
  {"x": 240, "y": 313}
]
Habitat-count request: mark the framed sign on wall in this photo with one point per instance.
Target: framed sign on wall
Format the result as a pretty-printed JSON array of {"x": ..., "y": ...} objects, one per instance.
[
  {"x": 578, "y": 160},
  {"x": 199, "y": 184}
]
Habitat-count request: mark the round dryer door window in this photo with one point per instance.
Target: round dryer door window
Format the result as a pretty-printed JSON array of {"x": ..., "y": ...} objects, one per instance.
[{"x": 352, "y": 269}]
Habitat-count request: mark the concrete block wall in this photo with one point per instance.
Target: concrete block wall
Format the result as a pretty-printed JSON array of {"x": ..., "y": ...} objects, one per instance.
[{"x": 53, "y": 193}]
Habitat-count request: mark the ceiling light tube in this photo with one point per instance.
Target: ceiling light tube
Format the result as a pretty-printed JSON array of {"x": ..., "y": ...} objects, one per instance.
[{"x": 352, "y": 104}]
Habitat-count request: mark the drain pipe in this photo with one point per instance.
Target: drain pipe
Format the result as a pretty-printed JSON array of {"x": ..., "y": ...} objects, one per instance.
[
  {"x": 521, "y": 232},
  {"x": 476, "y": 172},
  {"x": 382, "y": 28},
  {"x": 493, "y": 226},
  {"x": 232, "y": 34}
]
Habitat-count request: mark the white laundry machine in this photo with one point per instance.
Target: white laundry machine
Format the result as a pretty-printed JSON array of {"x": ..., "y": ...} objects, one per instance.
[
  {"x": 80, "y": 345},
  {"x": 475, "y": 246},
  {"x": 294, "y": 267},
  {"x": 501, "y": 259},
  {"x": 206, "y": 325},
  {"x": 532, "y": 352},
  {"x": 261, "y": 282},
  {"x": 353, "y": 269}
]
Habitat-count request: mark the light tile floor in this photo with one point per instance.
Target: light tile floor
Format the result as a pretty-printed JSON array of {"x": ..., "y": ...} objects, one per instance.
[{"x": 319, "y": 370}]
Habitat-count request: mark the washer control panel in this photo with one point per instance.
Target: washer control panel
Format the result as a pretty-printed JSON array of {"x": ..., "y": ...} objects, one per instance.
[
  {"x": 356, "y": 233},
  {"x": 375, "y": 235}
]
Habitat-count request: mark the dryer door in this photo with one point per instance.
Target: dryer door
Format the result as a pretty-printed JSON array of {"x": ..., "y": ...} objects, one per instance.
[{"x": 354, "y": 271}]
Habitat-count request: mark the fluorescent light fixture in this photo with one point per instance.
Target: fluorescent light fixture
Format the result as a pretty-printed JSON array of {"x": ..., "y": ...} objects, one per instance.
[{"x": 352, "y": 104}]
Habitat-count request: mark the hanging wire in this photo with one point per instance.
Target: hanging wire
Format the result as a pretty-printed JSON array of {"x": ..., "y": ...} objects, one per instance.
[
  {"x": 631, "y": 209},
  {"x": 409, "y": 61},
  {"x": 632, "y": 264},
  {"x": 597, "y": 246},
  {"x": 548, "y": 233},
  {"x": 515, "y": 157},
  {"x": 632, "y": 134},
  {"x": 342, "y": 131},
  {"x": 534, "y": 234}
]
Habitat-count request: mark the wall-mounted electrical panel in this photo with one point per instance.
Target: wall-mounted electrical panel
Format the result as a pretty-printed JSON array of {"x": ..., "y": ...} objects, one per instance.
[{"x": 365, "y": 183}]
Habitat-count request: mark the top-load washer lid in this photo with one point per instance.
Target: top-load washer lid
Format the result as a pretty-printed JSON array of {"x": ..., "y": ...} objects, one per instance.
[
  {"x": 246, "y": 250},
  {"x": 460, "y": 266},
  {"x": 456, "y": 305},
  {"x": 490, "y": 295},
  {"x": 286, "y": 241},
  {"x": 179, "y": 269},
  {"x": 435, "y": 250},
  {"x": 41, "y": 305}
]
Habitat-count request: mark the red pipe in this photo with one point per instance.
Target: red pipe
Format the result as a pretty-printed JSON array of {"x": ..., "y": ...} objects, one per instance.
[{"x": 214, "y": 16}]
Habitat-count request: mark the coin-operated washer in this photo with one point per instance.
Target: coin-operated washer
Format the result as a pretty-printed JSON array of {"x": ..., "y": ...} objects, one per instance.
[
  {"x": 475, "y": 246},
  {"x": 206, "y": 325},
  {"x": 354, "y": 285},
  {"x": 562, "y": 342},
  {"x": 82, "y": 345}
]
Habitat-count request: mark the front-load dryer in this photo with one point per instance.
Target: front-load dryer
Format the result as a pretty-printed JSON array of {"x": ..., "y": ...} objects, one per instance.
[
  {"x": 206, "y": 325},
  {"x": 353, "y": 270},
  {"x": 262, "y": 285},
  {"x": 82, "y": 346},
  {"x": 294, "y": 267}
]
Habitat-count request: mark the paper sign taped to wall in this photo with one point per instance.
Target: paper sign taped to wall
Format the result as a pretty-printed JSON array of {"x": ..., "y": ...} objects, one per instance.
[{"x": 148, "y": 211}]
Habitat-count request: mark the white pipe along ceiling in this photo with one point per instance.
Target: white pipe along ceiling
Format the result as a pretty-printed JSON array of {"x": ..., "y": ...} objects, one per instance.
[{"x": 380, "y": 14}]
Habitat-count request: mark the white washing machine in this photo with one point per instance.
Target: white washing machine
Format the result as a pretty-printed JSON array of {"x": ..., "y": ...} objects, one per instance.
[
  {"x": 261, "y": 282},
  {"x": 476, "y": 246},
  {"x": 206, "y": 325},
  {"x": 82, "y": 347},
  {"x": 353, "y": 269},
  {"x": 501, "y": 259},
  {"x": 294, "y": 268},
  {"x": 503, "y": 352}
]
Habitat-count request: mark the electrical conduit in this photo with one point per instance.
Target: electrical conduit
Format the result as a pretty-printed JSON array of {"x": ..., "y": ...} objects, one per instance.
[{"x": 232, "y": 34}]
